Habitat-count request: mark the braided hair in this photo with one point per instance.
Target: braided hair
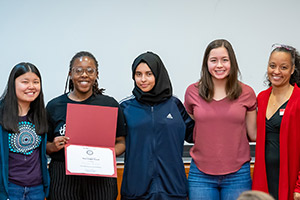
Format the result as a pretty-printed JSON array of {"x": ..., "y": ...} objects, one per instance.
[{"x": 69, "y": 82}]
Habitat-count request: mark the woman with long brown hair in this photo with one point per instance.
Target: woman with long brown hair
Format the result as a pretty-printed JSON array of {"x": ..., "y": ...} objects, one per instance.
[{"x": 224, "y": 110}]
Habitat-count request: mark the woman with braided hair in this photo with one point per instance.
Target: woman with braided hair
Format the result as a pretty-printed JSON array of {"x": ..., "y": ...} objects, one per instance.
[{"x": 83, "y": 89}]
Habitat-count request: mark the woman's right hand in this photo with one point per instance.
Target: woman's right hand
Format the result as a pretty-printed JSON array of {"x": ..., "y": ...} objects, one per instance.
[{"x": 57, "y": 144}]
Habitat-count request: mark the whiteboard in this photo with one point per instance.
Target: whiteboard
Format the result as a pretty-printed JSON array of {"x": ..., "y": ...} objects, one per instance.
[{"x": 49, "y": 33}]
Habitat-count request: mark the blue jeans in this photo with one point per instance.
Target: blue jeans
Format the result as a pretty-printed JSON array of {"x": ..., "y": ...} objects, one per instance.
[
  {"x": 218, "y": 187},
  {"x": 16, "y": 192}
]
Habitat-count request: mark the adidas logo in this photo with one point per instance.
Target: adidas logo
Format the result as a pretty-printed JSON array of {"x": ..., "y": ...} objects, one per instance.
[{"x": 169, "y": 116}]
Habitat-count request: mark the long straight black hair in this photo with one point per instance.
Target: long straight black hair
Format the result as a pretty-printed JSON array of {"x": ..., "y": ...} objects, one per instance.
[{"x": 9, "y": 108}]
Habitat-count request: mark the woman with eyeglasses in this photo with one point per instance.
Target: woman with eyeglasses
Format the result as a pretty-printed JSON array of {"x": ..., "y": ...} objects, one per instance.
[
  {"x": 277, "y": 156},
  {"x": 23, "y": 127},
  {"x": 83, "y": 89}
]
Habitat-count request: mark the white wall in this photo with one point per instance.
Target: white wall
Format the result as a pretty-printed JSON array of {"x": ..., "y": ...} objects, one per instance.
[{"x": 49, "y": 32}]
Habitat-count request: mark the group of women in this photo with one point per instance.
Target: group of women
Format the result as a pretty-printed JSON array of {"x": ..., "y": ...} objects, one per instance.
[{"x": 220, "y": 115}]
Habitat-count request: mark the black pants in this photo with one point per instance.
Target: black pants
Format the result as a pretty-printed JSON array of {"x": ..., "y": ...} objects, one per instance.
[{"x": 69, "y": 187}]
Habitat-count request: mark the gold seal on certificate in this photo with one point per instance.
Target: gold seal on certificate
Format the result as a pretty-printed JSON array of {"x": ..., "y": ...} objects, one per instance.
[{"x": 90, "y": 160}]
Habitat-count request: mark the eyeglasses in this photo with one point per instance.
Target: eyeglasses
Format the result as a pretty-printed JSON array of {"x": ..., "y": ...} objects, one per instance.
[
  {"x": 291, "y": 49},
  {"x": 79, "y": 71},
  {"x": 287, "y": 47}
]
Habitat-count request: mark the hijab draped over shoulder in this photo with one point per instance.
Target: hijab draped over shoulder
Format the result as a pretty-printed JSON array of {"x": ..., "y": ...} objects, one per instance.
[{"x": 162, "y": 89}]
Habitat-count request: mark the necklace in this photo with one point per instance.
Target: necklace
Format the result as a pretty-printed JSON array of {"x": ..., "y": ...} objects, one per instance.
[
  {"x": 283, "y": 98},
  {"x": 278, "y": 102}
]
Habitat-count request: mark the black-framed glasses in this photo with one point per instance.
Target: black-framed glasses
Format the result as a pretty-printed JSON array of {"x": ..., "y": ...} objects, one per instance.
[{"x": 79, "y": 71}]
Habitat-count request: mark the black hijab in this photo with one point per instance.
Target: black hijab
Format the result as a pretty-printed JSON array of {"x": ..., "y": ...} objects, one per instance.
[{"x": 162, "y": 89}]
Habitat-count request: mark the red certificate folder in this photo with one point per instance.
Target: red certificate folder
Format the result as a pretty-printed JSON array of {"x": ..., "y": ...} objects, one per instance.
[{"x": 91, "y": 126}]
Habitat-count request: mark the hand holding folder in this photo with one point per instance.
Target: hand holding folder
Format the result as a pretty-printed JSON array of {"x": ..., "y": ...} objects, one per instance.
[{"x": 92, "y": 131}]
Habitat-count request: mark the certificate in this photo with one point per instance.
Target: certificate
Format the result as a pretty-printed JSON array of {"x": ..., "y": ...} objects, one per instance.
[
  {"x": 92, "y": 131},
  {"x": 90, "y": 160}
]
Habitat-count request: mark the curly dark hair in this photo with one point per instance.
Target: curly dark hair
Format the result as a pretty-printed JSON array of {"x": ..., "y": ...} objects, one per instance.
[{"x": 295, "y": 77}]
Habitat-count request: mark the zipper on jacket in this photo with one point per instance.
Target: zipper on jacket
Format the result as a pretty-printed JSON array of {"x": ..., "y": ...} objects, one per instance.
[
  {"x": 152, "y": 113},
  {"x": 154, "y": 148}
]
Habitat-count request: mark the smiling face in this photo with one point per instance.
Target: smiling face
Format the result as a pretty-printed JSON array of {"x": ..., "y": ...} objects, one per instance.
[
  {"x": 83, "y": 75},
  {"x": 280, "y": 68},
  {"x": 28, "y": 87},
  {"x": 144, "y": 78},
  {"x": 218, "y": 63}
]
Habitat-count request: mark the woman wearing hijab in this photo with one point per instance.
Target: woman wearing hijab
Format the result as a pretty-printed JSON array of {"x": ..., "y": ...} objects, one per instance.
[{"x": 157, "y": 126}]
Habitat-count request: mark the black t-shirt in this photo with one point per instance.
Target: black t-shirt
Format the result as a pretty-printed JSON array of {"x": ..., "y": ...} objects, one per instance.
[{"x": 57, "y": 110}]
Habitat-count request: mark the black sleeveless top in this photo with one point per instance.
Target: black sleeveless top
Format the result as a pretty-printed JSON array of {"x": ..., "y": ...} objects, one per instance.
[{"x": 272, "y": 150}]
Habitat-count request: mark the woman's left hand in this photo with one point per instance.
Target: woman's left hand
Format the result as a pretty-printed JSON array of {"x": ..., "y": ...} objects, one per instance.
[{"x": 296, "y": 196}]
